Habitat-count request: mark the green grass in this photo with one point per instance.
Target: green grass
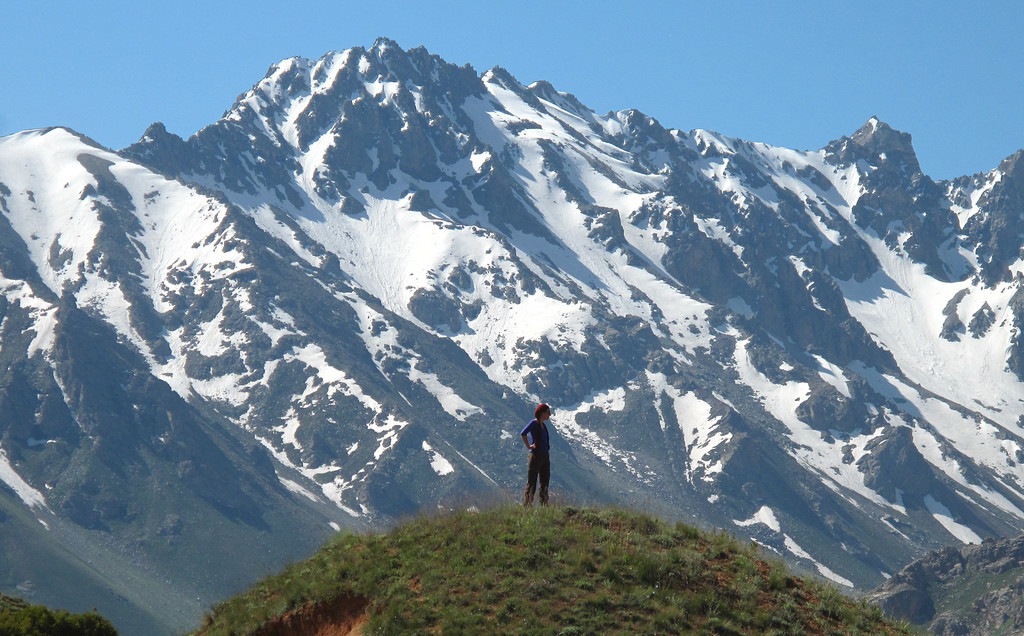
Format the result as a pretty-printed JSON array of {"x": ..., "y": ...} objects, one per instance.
[{"x": 550, "y": 571}]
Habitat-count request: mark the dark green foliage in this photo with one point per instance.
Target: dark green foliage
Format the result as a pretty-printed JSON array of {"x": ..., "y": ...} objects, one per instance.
[
  {"x": 18, "y": 619},
  {"x": 547, "y": 571}
]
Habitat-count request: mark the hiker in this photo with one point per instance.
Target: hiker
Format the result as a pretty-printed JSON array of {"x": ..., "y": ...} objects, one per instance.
[{"x": 535, "y": 436}]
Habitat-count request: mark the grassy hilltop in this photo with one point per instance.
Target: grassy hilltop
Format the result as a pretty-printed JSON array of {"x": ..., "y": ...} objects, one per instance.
[{"x": 559, "y": 570}]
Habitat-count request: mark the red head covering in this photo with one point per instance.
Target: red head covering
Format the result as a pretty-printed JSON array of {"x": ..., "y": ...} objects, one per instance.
[{"x": 541, "y": 408}]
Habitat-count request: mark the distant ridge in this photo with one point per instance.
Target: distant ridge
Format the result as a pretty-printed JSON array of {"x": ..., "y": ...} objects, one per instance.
[{"x": 976, "y": 590}]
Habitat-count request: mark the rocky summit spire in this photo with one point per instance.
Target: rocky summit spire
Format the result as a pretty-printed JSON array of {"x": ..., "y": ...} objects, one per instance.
[
  {"x": 879, "y": 145},
  {"x": 877, "y": 138}
]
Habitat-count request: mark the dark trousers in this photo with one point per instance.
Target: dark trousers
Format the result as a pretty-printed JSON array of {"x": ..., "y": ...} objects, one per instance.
[{"x": 539, "y": 466}]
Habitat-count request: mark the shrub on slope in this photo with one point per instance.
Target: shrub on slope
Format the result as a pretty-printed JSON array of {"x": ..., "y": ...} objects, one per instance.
[{"x": 18, "y": 618}]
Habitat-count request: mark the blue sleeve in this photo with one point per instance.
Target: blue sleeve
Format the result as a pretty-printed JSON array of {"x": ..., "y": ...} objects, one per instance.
[{"x": 528, "y": 429}]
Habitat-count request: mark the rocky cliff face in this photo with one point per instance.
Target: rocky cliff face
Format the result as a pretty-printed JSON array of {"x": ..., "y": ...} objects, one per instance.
[
  {"x": 973, "y": 590},
  {"x": 339, "y": 303}
]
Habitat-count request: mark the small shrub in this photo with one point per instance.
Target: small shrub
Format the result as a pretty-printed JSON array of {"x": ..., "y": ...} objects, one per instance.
[
  {"x": 687, "y": 533},
  {"x": 585, "y": 584},
  {"x": 645, "y": 525},
  {"x": 722, "y": 545},
  {"x": 610, "y": 571},
  {"x": 787, "y": 615},
  {"x": 650, "y": 569},
  {"x": 778, "y": 577},
  {"x": 638, "y": 599},
  {"x": 539, "y": 589},
  {"x": 594, "y": 520},
  {"x": 830, "y": 602},
  {"x": 587, "y": 564},
  {"x": 671, "y": 622},
  {"x": 603, "y": 602},
  {"x": 508, "y": 610},
  {"x": 691, "y": 567},
  {"x": 701, "y": 603},
  {"x": 747, "y": 591},
  {"x": 723, "y": 627}
]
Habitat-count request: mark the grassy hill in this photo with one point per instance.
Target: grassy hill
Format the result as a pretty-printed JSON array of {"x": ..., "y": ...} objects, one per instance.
[{"x": 559, "y": 570}]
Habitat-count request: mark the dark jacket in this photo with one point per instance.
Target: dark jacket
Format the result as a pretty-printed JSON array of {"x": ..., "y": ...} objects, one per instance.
[{"x": 538, "y": 434}]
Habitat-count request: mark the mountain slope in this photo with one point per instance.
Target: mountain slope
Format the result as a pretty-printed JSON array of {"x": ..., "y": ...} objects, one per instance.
[
  {"x": 974, "y": 589},
  {"x": 117, "y": 468},
  {"x": 339, "y": 303}
]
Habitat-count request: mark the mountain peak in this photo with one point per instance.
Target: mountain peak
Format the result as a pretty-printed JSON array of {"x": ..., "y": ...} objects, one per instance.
[
  {"x": 500, "y": 75},
  {"x": 1012, "y": 163},
  {"x": 382, "y": 44},
  {"x": 879, "y": 137},
  {"x": 879, "y": 144},
  {"x": 394, "y": 57},
  {"x": 376, "y": 246}
]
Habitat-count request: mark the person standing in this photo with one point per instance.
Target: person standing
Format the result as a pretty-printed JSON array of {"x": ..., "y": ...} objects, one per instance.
[{"x": 535, "y": 436}]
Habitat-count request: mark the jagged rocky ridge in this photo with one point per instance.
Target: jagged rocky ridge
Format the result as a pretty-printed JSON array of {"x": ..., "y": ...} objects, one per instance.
[
  {"x": 974, "y": 590},
  {"x": 338, "y": 303}
]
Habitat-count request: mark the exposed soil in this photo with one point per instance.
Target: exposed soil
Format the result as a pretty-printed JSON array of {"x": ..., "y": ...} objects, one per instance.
[{"x": 344, "y": 616}]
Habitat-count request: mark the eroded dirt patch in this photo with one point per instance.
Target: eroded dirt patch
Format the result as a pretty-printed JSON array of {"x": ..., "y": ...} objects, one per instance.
[{"x": 344, "y": 616}]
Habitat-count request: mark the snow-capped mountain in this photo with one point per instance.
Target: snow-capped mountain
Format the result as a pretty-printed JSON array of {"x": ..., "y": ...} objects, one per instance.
[{"x": 337, "y": 305}]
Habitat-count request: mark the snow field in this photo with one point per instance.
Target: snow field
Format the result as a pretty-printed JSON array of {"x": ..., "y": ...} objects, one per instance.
[{"x": 766, "y": 516}]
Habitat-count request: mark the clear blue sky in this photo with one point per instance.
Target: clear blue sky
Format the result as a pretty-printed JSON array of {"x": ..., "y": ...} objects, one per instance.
[{"x": 792, "y": 74}]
